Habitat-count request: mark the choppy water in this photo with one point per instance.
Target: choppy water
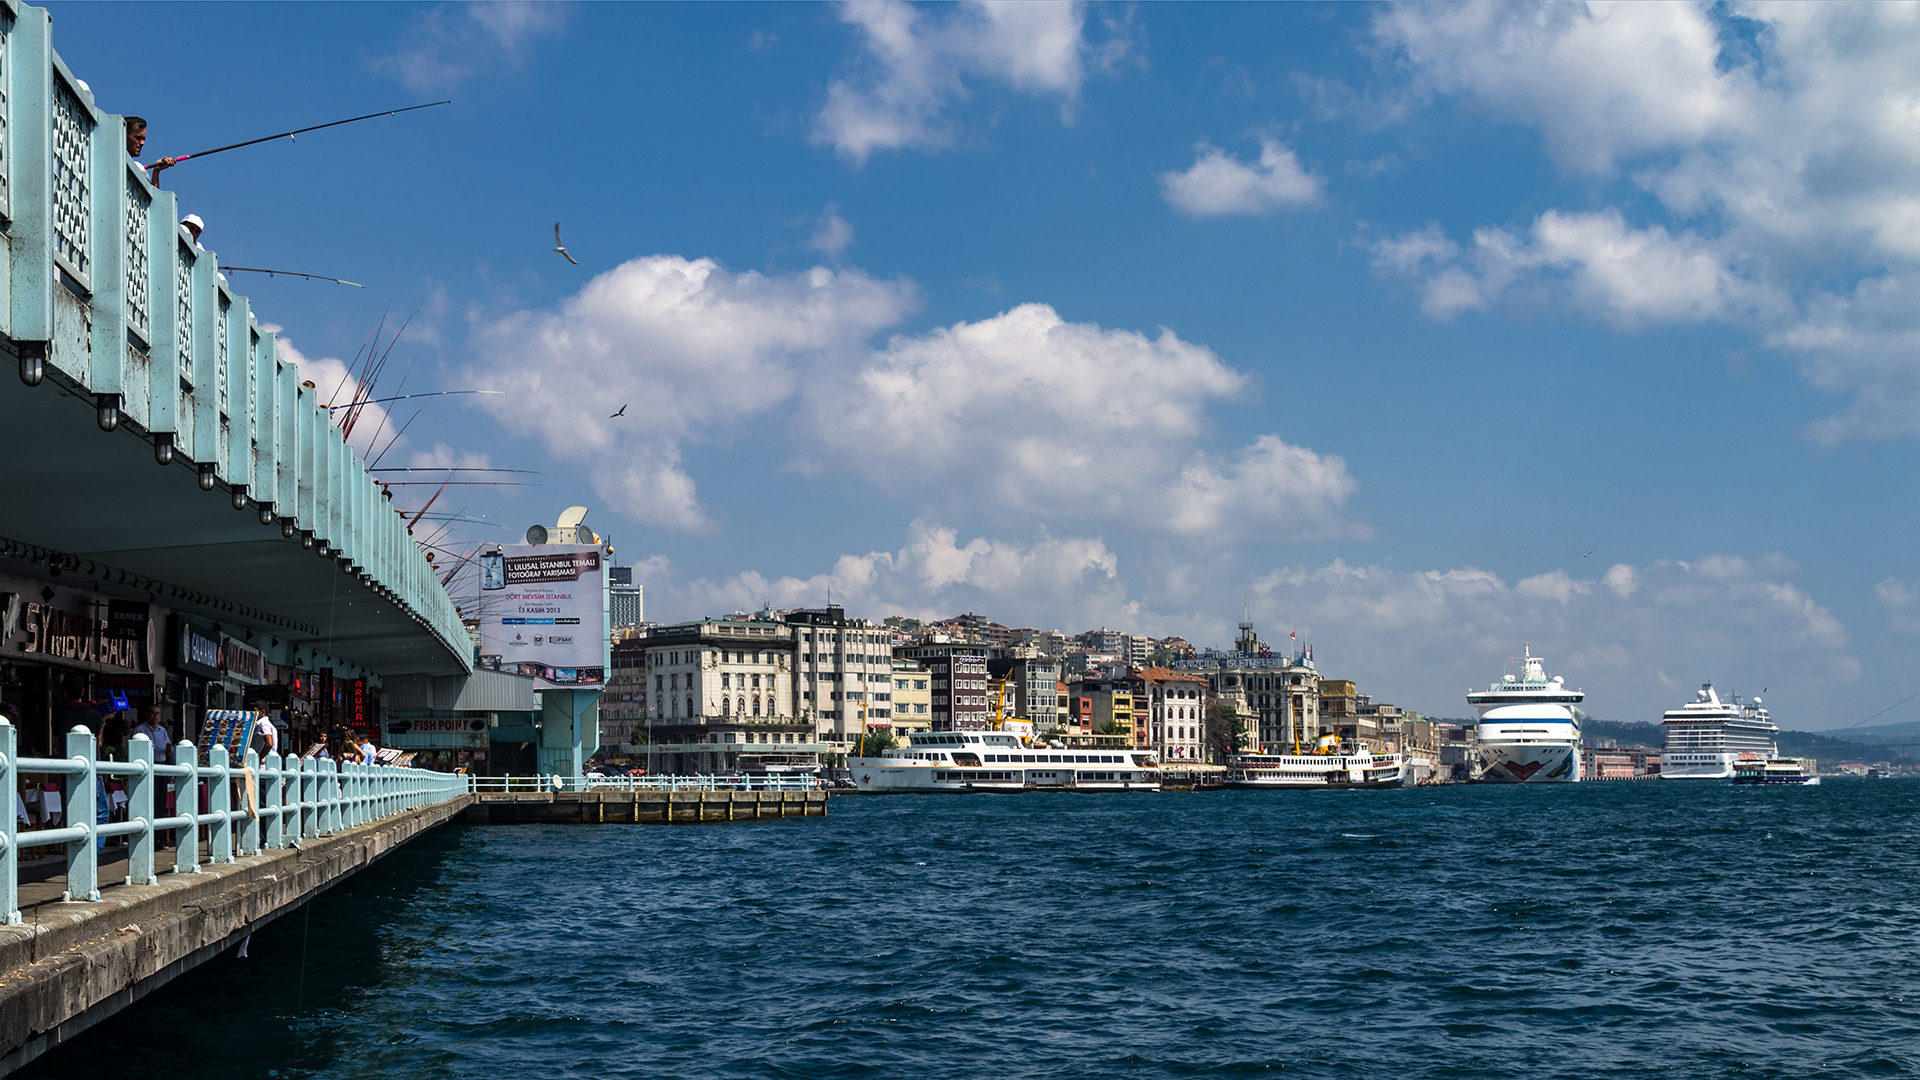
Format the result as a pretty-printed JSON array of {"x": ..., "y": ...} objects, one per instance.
[{"x": 1619, "y": 930}]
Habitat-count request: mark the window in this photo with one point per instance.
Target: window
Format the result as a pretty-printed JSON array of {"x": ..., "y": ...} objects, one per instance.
[{"x": 726, "y": 680}]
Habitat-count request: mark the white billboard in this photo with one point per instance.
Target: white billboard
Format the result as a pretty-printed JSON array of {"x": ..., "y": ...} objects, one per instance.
[{"x": 543, "y": 613}]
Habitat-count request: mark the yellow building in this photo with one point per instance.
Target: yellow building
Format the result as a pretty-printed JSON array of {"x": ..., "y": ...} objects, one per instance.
[{"x": 912, "y": 699}]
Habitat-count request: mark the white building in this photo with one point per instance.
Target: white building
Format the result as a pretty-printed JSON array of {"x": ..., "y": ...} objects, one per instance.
[{"x": 843, "y": 672}]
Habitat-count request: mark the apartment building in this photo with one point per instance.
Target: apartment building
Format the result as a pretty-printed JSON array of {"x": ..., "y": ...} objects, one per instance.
[
  {"x": 1176, "y": 713},
  {"x": 843, "y": 671},
  {"x": 957, "y": 672},
  {"x": 722, "y": 690},
  {"x": 912, "y": 698},
  {"x": 1034, "y": 680}
]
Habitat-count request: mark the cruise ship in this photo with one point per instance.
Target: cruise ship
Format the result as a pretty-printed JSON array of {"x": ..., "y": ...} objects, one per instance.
[
  {"x": 1529, "y": 731},
  {"x": 1003, "y": 761},
  {"x": 1707, "y": 737}
]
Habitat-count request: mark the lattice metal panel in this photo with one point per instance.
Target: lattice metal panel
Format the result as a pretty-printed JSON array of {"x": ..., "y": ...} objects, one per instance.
[
  {"x": 6, "y": 115},
  {"x": 220, "y": 359},
  {"x": 72, "y": 181},
  {"x": 253, "y": 393},
  {"x": 139, "y": 262},
  {"x": 183, "y": 297}
]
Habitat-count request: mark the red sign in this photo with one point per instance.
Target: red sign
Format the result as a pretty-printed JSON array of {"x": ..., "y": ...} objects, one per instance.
[{"x": 357, "y": 702}]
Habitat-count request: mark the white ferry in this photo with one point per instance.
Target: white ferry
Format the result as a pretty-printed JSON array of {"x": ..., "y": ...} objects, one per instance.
[
  {"x": 1006, "y": 761},
  {"x": 1529, "y": 731},
  {"x": 1707, "y": 737},
  {"x": 1753, "y": 769},
  {"x": 1329, "y": 769}
]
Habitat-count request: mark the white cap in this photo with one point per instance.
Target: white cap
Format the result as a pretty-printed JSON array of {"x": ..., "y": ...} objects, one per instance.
[{"x": 193, "y": 222}]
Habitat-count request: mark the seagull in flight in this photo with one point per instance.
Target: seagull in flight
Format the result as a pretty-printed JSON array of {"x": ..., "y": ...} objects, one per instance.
[
  {"x": 618, "y": 415},
  {"x": 1586, "y": 554},
  {"x": 560, "y": 245}
]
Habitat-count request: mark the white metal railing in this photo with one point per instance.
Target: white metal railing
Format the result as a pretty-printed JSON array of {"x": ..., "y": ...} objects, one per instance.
[
  {"x": 283, "y": 800},
  {"x": 537, "y": 784}
]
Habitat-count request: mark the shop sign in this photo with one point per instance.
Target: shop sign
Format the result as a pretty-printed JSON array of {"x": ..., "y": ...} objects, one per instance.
[
  {"x": 65, "y": 635},
  {"x": 440, "y": 724},
  {"x": 198, "y": 654},
  {"x": 132, "y": 686},
  {"x": 244, "y": 663},
  {"x": 265, "y": 694},
  {"x": 127, "y": 620},
  {"x": 357, "y": 702}
]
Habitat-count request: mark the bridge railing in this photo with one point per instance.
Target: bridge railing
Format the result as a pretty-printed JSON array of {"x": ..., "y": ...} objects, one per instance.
[
  {"x": 251, "y": 806},
  {"x": 538, "y": 784}
]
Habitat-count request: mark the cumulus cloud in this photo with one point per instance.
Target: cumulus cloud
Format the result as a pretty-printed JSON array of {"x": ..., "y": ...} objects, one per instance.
[
  {"x": 1777, "y": 140},
  {"x": 335, "y": 384},
  {"x": 932, "y": 574},
  {"x": 921, "y": 63},
  {"x": 832, "y": 234},
  {"x": 689, "y": 346},
  {"x": 446, "y": 45},
  {"x": 1217, "y": 184},
  {"x": 1625, "y": 275},
  {"x": 1421, "y": 638},
  {"x": 1040, "y": 416},
  {"x": 1022, "y": 415}
]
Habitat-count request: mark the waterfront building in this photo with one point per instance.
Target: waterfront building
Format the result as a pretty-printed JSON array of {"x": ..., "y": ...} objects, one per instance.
[
  {"x": 958, "y": 674},
  {"x": 1278, "y": 695},
  {"x": 1034, "y": 679},
  {"x": 721, "y": 698},
  {"x": 1112, "y": 707},
  {"x": 912, "y": 698},
  {"x": 1176, "y": 713},
  {"x": 843, "y": 671},
  {"x": 623, "y": 707}
]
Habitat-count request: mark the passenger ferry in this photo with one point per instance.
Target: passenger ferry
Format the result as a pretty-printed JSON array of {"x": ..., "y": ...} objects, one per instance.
[
  {"x": 1005, "y": 760},
  {"x": 1529, "y": 731},
  {"x": 1779, "y": 771},
  {"x": 1329, "y": 769},
  {"x": 1707, "y": 736}
]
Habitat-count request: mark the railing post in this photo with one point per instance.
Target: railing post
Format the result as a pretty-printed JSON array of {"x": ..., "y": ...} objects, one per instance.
[
  {"x": 186, "y": 803},
  {"x": 140, "y": 789},
  {"x": 10, "y": 857},
  {"x": 330, "y": 798},
  {"x": 271, "y": 797},
  {"x": 250, "y": 831},
  {"x": 219, "y": 790},
  {"x": 83, "y": 859},
  {"x": 310, "y": 798}
]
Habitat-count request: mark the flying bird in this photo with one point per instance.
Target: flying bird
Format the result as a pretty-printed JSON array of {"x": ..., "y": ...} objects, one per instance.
[
  {"x": 618, "y": 415},
  {"x": 1586, "y": 554},
  {"x": 560, "y": 245}
]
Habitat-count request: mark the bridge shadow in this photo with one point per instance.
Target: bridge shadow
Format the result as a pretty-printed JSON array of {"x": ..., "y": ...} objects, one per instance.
[{"x": 287, "y": 1008}]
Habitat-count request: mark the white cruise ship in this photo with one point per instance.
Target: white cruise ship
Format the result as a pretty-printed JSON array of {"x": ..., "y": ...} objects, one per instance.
[
  {"x": 963, "y": 761},
  {"x": 1707, "y": 736},
  {"x": 1529, "y": 731}
]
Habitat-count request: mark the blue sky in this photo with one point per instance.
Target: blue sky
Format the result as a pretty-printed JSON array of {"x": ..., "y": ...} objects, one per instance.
[{"x": 1368, "y": 318}]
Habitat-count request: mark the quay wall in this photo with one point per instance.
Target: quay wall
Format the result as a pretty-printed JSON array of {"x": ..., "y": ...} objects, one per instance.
[{"x": 75, "y": 964}]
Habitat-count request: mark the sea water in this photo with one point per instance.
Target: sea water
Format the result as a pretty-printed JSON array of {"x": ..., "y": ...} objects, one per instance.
[{"x": 1664, "y": 928}]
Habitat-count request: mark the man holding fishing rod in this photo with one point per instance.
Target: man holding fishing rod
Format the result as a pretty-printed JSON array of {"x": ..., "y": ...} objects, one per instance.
[{"x": 137, "y": 137}]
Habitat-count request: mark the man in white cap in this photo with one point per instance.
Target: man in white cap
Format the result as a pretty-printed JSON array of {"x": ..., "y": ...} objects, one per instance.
[{"x": 194, "y": 227}]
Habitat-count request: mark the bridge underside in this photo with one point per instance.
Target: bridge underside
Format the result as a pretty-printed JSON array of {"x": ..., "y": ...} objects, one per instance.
[{"x": 150, "y": 533}]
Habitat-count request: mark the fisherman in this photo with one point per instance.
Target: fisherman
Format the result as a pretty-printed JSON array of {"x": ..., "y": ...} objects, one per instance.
[
  {"x": 194, "y": 227},
  {"x": 137, "y": 141}
]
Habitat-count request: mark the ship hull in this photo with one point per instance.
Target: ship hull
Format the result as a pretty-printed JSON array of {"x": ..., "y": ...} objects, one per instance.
[{"x": 1529, "y": 763}]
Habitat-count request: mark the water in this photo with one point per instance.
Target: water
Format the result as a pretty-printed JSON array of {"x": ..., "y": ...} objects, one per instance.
[{"x": 1609, "y": 930}]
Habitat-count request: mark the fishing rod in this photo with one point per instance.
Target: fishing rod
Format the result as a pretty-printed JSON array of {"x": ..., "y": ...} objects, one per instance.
[
  {"x": 408, "y": 397},
  {"x": 290, "y": 273},
  {"x": 289, "y": 134},
  {"x": 456, "y": 468}
]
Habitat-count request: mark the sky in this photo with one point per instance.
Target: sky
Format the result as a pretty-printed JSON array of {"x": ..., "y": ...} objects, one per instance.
[{"x": 1422, "y": 332}]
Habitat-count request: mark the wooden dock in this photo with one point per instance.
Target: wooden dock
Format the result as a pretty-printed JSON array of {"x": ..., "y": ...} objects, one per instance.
[{"x": 640, "y": 807}]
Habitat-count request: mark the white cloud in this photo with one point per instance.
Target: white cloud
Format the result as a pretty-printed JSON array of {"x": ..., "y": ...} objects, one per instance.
[
  {"x": 832, "y": 234},
  {"x": 922, "y": 62},
  {"x": 1419, "y": 639},
  {"x": 688, "y": 347},
  {"x": 1782, "y": 142},
  {"x": 1039, "y": 416},
  {"x": 1217, "y": 184},
  {"x": 446, "y": 45},
  {"x": 1602, "y": 265},
  {"x": 1022, "y": 416},
  {"x": 933, "y": 574}
]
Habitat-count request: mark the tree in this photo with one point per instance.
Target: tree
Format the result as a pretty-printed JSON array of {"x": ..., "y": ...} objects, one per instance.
[
  {"x": 1110, "y": 726},
  {"x": 873, "y": 743},
  {"x": 1225, "y": 732}
]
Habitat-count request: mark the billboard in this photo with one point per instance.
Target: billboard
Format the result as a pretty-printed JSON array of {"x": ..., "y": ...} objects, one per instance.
[{"x": 543, "y": 613}]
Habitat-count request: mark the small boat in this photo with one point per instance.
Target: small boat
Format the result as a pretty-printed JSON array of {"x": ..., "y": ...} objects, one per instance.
[{"x": 1753, "y": 769}]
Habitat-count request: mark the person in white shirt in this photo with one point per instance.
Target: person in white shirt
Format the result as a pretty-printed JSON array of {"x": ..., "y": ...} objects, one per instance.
[
  {"x": 367, "y": 752},
  {"x": 156, "y": 732},
  {"x": 266, "y": 737}
]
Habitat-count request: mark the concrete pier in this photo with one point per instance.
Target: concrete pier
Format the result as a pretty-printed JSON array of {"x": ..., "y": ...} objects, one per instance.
[
  {"x": 71, "y": 965},
  {"x": 598, "y": 807}
]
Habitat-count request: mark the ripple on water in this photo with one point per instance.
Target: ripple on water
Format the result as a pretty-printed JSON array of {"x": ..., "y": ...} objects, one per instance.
[{"x": 1613, "y": 931}]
